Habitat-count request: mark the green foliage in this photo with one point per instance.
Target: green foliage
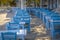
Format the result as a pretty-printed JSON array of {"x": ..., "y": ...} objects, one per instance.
[
  {"x": 6, "y": 2},
  {"x": 36, "y": 2}
]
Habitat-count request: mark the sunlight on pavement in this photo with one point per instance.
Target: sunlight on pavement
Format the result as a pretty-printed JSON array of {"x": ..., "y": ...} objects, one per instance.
[
  {"x": 3, "y": 18},
  {"x": 41, "y": 31},
  {"x": 43, "y": 38}
]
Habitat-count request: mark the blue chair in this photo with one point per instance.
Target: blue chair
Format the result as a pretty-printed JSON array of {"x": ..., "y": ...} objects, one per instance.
[
  {"x": 54, "y": 17},
  {"x": 17, "y": 19},
  {"x": 55, "y": 29},
  {"x": 9, "y": 36},
  {"x": 13, "y": 26}
]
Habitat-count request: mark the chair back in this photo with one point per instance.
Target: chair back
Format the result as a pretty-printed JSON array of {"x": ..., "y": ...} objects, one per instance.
[{"x": 8, "y": 36}]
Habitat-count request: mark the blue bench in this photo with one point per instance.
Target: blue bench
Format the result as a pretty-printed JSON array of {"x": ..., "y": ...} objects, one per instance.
[
  {"x": 13, "y": 26},
  {"x": 9, "y": 36}
]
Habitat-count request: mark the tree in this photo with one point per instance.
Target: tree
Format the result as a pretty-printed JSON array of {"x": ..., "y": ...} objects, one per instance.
[
  {"x": 36, "y": 2},
  {"x": 13, "y": 3},
  {"x": 28, "y": 2},
  {"x": 7, "y": 2}
]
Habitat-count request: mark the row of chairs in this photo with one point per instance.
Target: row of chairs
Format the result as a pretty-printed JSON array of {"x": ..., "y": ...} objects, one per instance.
[
  {"x": 21, "y": 18},
  {"x": 14, "y": 24},
  {"x": 50, "y": 19}
]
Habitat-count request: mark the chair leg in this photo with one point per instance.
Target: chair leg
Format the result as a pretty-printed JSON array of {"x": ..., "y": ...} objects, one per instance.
[{"x": 22, "y": 37}]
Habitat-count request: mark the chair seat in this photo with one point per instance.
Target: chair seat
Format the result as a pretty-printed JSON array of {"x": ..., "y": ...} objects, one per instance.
[{"x": 9, "y": 36}]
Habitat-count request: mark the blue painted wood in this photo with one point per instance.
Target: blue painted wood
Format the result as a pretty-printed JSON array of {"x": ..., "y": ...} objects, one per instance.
[
  {"x": 9, "y": 36},
  {"x": 19, "y": 36},
  {"x": 21, "y": 16},
  {"x": 50, "y": 19}
]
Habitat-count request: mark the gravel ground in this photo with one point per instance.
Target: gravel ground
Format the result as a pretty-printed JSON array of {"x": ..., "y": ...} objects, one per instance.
[{"x": 39, "y": 30}]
